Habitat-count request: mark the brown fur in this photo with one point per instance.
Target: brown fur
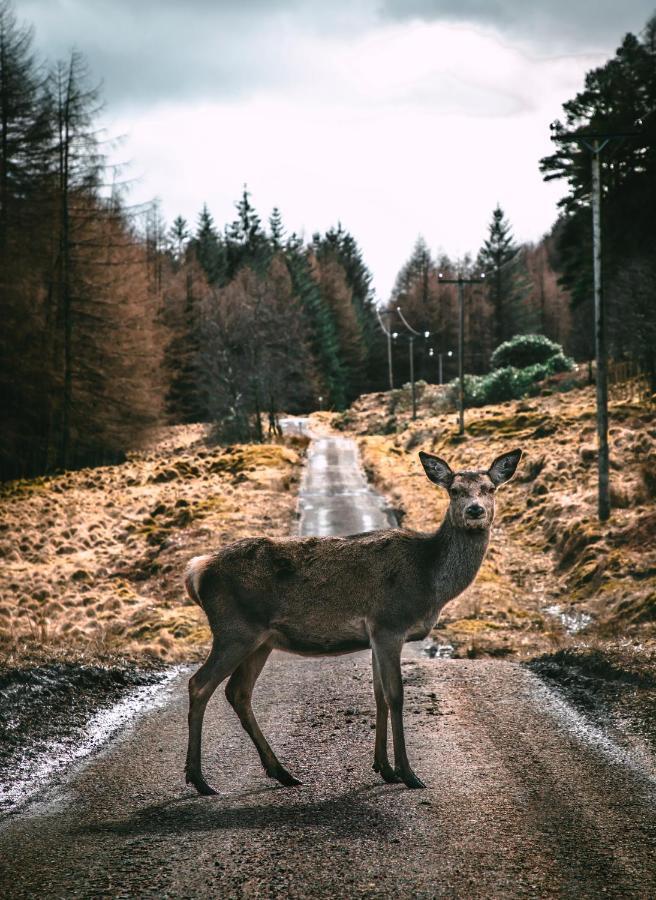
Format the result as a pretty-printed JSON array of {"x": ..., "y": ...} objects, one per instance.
[{"x": 318, "y": 596}]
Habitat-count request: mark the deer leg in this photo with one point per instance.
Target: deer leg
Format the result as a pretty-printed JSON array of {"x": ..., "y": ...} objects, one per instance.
[
  {"x": 381, "y": 761},
  {"x": 387, "y": 648},
  {"x": 226, "y": 654},
  {"x": 239, "y": 691}
]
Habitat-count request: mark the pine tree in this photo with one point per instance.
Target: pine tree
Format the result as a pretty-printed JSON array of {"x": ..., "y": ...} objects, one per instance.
[
  {"x": 209, "y": 248},
  {"x": 77, "y": 167},
  {"x": 338, "y": 246},
  {"x": 499, "y": 259},
  {"x": 324, "y": 341},
  {"x": 337, "y": 295},
  {"x": 246, "y": 242},
  {"x": 24, "y": 125},
  {"x": 178, "y": 237},
  {"x": 614, "y": 98},
  {"x": 276, "y": 229}
]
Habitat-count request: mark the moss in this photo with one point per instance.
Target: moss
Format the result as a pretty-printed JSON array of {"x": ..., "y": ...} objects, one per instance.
[
  {"x": 508, "y": 425},
  {"x": 473, "y": 626},
  {"x": 24, "y": 487}
]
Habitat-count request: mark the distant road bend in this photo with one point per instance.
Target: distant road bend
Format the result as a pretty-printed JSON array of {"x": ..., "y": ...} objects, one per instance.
[{"x": 524, "y": 799}]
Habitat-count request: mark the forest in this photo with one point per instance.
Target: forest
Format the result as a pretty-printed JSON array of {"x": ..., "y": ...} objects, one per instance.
[{"x": 115, "y": 322}]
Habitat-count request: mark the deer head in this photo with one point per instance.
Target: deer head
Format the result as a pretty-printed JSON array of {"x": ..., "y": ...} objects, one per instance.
[{"x": 471, "y": 493}]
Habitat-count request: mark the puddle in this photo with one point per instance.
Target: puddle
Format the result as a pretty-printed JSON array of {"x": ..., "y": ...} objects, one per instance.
[
  {"x": 572, "y": 621},
  {"x": 38, "y": 759},
  {"x": 437, "y": 651}
]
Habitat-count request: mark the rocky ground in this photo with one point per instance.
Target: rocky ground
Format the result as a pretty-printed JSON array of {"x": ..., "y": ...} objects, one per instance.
[{"x": 554, "y": 574}]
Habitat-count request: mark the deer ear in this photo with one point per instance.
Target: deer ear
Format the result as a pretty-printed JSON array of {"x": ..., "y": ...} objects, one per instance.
[
  {"x": 503, "y": 467},
  {"x": 437, "y": 469}
]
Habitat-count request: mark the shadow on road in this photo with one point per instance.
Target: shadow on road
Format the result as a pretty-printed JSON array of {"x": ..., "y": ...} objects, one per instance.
[{"x": 344, "y": 815}]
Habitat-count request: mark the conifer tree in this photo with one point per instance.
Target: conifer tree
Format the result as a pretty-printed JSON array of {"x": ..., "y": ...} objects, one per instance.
[
  {"x": 246, "y": 241},
  {"x": 209, "y": 248},
  {"x": 324, "y": 342},
  {"x": 179, "y": 236},
  {"x": 276, "y": 229},
  {"x": 500, "y": 261},
  {"x": 616, "y": 97}
]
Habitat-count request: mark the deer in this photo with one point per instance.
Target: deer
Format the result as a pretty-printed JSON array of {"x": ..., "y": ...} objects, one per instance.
[{"x": 318, "y": 596}]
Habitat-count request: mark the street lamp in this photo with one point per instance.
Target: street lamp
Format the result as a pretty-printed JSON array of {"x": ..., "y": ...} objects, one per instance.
[
  {"x": 412, "y": 334},
  {"x": 440, "y": 356}
]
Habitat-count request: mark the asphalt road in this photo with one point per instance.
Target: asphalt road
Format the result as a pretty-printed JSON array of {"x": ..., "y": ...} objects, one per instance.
[
  {"x": 335, "y": 498},
  {"x": 523, "y": 798}
]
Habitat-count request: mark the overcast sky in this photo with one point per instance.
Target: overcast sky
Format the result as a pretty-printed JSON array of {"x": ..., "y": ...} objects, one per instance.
[{"x": 397, "y": 117}]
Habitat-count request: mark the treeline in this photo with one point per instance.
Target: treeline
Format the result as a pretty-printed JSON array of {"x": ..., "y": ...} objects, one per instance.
[
  {"x": 113, "y": 324},
  {"x": 80, "y": 344},
  {"x": 514, "y": 289},
  {"x": 263, "y": 322}
]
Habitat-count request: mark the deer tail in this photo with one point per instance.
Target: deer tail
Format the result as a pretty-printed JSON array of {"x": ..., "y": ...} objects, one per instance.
[{"x": 193, "y": 575}]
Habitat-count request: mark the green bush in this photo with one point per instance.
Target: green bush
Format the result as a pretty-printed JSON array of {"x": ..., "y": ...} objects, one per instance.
[
  {"x": 525, "y": 350},
  {"x": 510, "y": 382}
]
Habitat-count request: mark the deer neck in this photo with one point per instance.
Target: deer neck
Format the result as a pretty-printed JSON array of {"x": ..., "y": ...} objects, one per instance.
[{"x": 459, "y": 555}]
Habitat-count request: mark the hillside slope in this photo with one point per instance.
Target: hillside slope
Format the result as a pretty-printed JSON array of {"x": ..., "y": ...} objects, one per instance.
[
  {"x": 92, "y": 560},
  {"x": 552, "y": 571}
]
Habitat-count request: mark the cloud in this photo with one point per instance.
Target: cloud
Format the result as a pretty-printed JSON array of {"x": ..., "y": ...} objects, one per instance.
[
  {"x": 393, "y": 117},
  {"x": 583, "y": 24},
  {"x": 149, "y": 50}
]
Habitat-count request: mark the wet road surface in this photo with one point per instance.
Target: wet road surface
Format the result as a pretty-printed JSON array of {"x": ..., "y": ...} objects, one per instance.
[
  {"x": 335, "y": 498},
  {"x": 523, "y": 798}
]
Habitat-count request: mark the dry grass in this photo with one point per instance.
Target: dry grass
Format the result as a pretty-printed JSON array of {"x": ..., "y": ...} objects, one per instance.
[
  {"x": 92, "y": 560},
  {"x": 548, "y": 548}
]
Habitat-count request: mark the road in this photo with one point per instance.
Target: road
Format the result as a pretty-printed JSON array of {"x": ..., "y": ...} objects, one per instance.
[{"x": 523, "y": 799}]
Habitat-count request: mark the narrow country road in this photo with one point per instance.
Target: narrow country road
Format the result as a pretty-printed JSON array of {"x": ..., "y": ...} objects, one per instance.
[{"x": 523, "y": 798}]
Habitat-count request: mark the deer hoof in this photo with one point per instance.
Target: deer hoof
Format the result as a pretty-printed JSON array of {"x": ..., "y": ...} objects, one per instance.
[
  {"x": 387, "y": 773},
  {"x": 200, "y": 784},
  {"x": 410, "y": 780},
  {"x": 284, "y": 777}
]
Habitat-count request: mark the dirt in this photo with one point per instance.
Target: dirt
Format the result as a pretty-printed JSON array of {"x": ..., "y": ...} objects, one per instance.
[
  {"x": 92, "y": 559},
  {"x": 529, "y": 794},
  {"x": 612, "y": 684},
  {"x": 554, "y": 574},
  {"x": 523, "y": 798},
  {"x": 45, "y": 711}
]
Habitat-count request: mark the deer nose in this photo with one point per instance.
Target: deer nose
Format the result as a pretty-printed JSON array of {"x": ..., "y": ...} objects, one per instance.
[{"x": 475, "y": 511}]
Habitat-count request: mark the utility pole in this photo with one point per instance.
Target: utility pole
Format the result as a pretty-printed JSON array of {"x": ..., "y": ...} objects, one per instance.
[
  {"x": 413, "y": 334},
  {"x": 411, "y": 346},
  {"x": 388, "y": 334},
  {"x": 461, "y": 282},
  {"x": 595, "y": 142},
  {"x": 601, "y": 353}
]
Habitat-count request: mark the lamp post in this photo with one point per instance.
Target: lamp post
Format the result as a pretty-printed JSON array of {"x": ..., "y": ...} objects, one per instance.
[
  {"x": 413, "y": 333},
  {"x": 440, "y": 356},
  {"x": 389, "y": 337},
  {"x": 460, "y": 281}
]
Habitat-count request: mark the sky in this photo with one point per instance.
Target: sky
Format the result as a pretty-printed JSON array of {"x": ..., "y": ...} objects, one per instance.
[{"x": 395, "y": 117}]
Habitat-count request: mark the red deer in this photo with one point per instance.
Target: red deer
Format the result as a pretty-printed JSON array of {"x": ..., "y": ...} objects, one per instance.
[{"x": 331, "y": 595}]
